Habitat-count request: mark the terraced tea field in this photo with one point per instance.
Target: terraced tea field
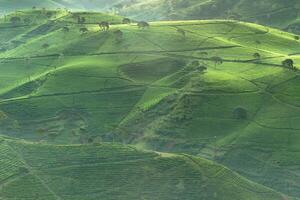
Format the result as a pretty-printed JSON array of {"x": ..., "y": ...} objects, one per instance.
[{"x": 73, "y": 97}]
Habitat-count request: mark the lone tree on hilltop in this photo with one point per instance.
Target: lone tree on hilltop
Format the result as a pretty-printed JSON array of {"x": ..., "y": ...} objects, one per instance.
[
  {"x": 289, "y": 64},
  {"x": 217, "y": 60},
  {"x": 104, "y": 26},
  {"x": 83, "y": 30},
  {"x": 240, "y": 113},
  {"x": 15, "y": 20},
  {"x": 126, "y": 21},
  {"x": 143, "y": 25}
]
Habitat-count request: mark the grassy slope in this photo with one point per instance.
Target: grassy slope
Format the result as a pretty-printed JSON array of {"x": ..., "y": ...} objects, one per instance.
[
  {"x": 107, "y": 171},
  {"x": 12, "y": 5},
  {"x": 87, "y": 87},
  {"x": 278, "y": 13}
]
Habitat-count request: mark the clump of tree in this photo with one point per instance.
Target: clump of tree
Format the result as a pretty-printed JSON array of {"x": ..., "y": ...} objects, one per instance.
[
  {"x": 296, "y": 37},
  {"x": 197, "y": 66},
  {"x": 83, "y": 30},
  {"x": 240, "y": 113},
  {"x": 104, "y": 26},
  {"x": 217, "y": 60},
  {"x": 143, "y": 25},
  {"x": 289, "y": 64},
  {"x": 126, "y": 21},
  {"x": 118, "y": 35}
]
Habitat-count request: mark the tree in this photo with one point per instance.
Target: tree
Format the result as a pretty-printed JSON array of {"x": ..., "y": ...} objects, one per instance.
[
  {"x": 195, "y": 63},
  {"x": 126, "y": 21},
  {"x": 104, "y": 26},
  {"x": 49, "y": 14},
  {"x": 118, "y": 35},
  {"x": 27, "y": 21},
  {"x": 257, "y": 56},
  {"x": 15, "y": 20},
  {"x": 143, "y": 25},
  {"x": 81, "y": 20},
  {"x": 201, "y": 69},
  {"x": 66, "y": 29},
  {"x": 296, "y": 37},
  {"x": 23, "y": 170},
  {"x": 217, "y": 60},
  {"x": 240, "y": 113},
  {"x": 45, "y": 46},
  {"x": 257, "y": 42},
  {"x": 197, "y": 66},
  {"x": 83, "y": 30},
  {"x": 288, "y": 63},
  {"x": 181, "y": 32}
]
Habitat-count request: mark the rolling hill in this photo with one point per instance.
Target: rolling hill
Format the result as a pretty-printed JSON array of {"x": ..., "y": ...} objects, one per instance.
[
  {"x": 282, "y": 14},
  {"x": 39, "y": 171},
  {"x": 210, "y": 88}
]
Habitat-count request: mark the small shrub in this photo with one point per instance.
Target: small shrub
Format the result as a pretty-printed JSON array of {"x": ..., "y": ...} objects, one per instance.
[
  {"x": 45, "y": 46},
  {"x": 143, "y": 25},
  {"x": 289, "y": 64},
  {"x": 126, "y": 21},
  {"x": 240, "y": 113}
]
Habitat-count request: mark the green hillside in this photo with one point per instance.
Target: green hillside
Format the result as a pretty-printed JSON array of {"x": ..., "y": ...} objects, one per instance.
[
  {"x": 283, "y": 14},
  {"x": 213, "y": 88},
  {"x": 39, "y": 171},
  {"x": 13, "y": 5}
]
